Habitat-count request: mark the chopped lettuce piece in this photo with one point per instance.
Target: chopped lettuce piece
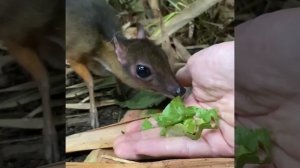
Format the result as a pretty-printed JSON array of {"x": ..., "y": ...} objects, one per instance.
[
  {"x": 179, "y": 120},
  {"x": 250, "y": 145},
  {"x": 146, "y": 125}
]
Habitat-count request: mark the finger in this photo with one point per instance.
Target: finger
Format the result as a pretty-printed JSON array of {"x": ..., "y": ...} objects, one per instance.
[
  {"x": 227, "y": 117},
  {"x": 190, "y": 100},
  {"x": 183, "y": 76},
  {"x": 227, "y": 132},
  {"x": 136, "y": 136},
  {"x": 279, "y": 158},
  {"x": 282, "y": 158},
  {"x": 141, "y": 145}
]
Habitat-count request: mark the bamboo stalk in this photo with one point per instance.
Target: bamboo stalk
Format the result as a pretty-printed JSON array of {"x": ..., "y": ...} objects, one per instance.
[
  {"x": 86, "y": 106},
  {"x": 184, "y": 17},
  {"x": 176, "y": 163},
  {"x": 28, "y": 123},
  {"x": 95, "y": 139}
]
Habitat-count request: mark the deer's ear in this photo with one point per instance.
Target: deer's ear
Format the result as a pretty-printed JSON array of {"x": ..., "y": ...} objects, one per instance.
[
  {"x": 120, "y": 50},
  {"x": 141, "y": 32}
]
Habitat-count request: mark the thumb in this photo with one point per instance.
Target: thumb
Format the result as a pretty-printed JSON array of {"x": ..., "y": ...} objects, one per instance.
[{"x": 183, "y": 76}]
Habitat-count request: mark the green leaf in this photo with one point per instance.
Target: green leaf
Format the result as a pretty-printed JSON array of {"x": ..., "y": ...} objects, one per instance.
[
  {"x": 142, "y": 100},
  {"x": 249, "y": 144},
  {"x": 172, "y": 114},
  {"x": 176, "y": 130},
  {"x": 146, "y": 125},
  {"x": 194, "y": 136},
  {"x": 178, "y": 120},
  {"x": 206, "y": 118},
  {"x": 190, "y": 126}
]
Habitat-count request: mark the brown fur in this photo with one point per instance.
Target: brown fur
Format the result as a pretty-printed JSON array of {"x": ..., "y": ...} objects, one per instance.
[{"x": 94, "y": 34}]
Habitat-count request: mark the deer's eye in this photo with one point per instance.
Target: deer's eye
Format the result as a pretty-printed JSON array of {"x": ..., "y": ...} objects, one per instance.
[{"x": 143, "y": 71}]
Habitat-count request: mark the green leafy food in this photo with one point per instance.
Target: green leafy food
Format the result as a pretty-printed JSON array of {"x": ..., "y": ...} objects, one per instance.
[
  {"x": 250, "y": 145},
  {"x": 146, "y": 125},
  {"x": 179, "y": 120}
]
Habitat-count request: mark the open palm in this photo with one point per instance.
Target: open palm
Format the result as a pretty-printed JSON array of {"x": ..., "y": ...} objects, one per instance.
[{"x": 267, "y": 81}]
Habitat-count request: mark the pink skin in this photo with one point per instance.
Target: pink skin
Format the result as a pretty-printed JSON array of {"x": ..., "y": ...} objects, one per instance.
[
  {"x": 210, "y": 72},
  {"x": 268, "y": 94}
]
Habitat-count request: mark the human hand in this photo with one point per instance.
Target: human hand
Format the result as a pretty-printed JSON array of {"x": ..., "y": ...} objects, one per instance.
[
  {"x": 210, "y": 72},
  {"x": 267, "y": 81}
]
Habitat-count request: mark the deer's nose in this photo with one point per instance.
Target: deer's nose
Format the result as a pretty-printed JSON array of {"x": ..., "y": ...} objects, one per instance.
[
  {"x": 180, "y": 91},
  {"x": 177, "y": 91}
]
